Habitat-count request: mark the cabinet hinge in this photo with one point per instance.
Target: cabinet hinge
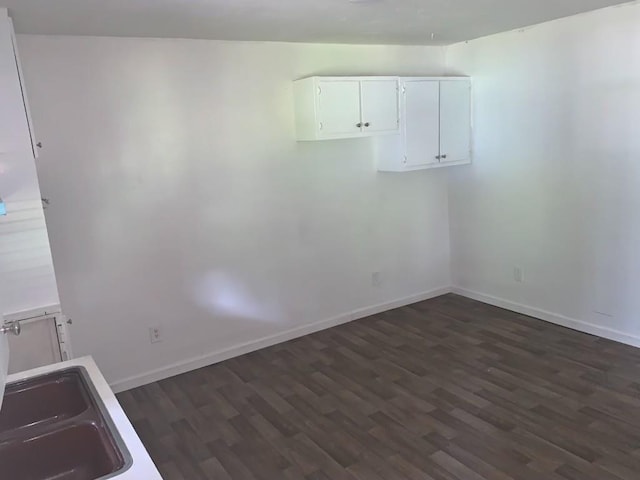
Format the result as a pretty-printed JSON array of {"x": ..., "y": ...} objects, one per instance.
[
  {"x": 319, "y": 90},
  {"x": 404, "y": 90},
  {"x": 63, "y": 336},
  {"x": 320, "y": 125}
]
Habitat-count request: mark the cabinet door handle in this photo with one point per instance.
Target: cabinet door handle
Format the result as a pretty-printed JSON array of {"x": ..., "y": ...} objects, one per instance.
[
  {"x": 359, "y": 125},
  {"x": 12, "y": 328},
  {"x": 438, "y": 157},
  {"x": 367, "y": 124},
  {"x": 444, "y": 156}
]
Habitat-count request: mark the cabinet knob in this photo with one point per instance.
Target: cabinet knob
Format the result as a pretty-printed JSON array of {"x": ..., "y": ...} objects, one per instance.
[
  {"x": 359, "y": 125},
  {"x": 444, "y": 156},
  {"x": 12, "y": 328},
  {"x": 437, "y": 157},
  {"x": 367, "y": 124}
]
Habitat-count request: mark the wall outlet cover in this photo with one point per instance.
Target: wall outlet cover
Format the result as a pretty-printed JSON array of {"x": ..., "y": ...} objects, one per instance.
[
  {"x": 155, "y": 334},
  {"x": 518, "y": 274}
]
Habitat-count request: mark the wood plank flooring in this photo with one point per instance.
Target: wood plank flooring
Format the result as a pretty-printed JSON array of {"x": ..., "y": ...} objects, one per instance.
[{"x": 445, "y": 389}]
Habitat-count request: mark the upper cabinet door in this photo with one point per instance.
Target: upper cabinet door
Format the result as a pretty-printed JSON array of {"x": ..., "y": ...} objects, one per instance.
[
  {"x": 23, "y": 91},
  {"x": 14, "y": 129},
  {"x": 455, "y": 121},
  {"x": 339, "y": 108},
  {"x": 422, "y": 122},
  {"x": 380, "y": 113}
]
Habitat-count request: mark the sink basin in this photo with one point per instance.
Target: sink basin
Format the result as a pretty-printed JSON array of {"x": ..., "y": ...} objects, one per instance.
[
  {"x": 55, "y": 427},
  {"x": 74, "y": 453},
  {"x": 44, "y": 400}
]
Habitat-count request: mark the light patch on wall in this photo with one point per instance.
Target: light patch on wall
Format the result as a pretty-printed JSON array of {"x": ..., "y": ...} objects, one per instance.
[{"x": 220, "y": 294}]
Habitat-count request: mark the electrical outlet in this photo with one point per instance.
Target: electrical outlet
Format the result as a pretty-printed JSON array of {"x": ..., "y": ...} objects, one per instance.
[
  {"x": 518, "y": 274},
  {"x": 376, "y": 279},
  {"x": 155, "y": 334}
]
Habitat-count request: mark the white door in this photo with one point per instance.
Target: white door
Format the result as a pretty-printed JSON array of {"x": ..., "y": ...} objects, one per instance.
[
  {"x": 455, "y": 121},
  {"x": 36, "y": 346},
  {"x": 422, "y": 122},
  {"x": 380, "y": 111},
  {"x": 339, "y": 108}
]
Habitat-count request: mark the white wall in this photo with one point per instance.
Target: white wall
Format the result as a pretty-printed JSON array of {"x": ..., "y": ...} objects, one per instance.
[
  {"x": 180, "y": 197},
  {"x": 555, "y": 185}
]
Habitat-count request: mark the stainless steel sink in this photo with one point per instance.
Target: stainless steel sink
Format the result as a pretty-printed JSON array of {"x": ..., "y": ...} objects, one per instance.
[{"x": 55, "y": 427}]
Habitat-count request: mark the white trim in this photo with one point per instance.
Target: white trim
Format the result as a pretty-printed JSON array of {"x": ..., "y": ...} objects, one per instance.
[
  {"x": 350, "y": 78},
  {"x": 35, "y": 313},
  {"x": 555, "y": 318},
  {"x": 412, "y": 78},
  {"x": 251, "y": 346},
  {"x": 428, "y": 166},
  {"x": 439, "y": 78}
]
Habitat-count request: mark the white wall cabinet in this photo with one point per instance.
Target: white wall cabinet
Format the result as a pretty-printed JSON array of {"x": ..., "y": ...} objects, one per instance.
[
  {"x": 455, "y": 121},
  {"x": 35, "y": 145},
  {"x": 435, "y": 126},
  {"x": 421, "y": 124},
  {"x": 27, "y": 276},
  {"x": 16, "y": 127},
  {"x": 346, "y": 107}
]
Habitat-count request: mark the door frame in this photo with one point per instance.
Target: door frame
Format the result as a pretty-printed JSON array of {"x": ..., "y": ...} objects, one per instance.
[{"x": 53, "y": 312}]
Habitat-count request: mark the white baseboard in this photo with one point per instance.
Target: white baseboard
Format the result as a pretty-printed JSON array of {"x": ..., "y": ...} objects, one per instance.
[
  {"x": 551, "y": 317},
  {"x": 247, "y": 347}
]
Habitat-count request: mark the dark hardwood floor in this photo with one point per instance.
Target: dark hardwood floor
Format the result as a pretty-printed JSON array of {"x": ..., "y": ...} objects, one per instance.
[{"x": 445, "y": 389}]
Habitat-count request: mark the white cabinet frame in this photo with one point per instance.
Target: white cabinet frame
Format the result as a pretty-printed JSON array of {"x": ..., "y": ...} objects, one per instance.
[
  {"x": 392, "y": 155},
  {"x": 314, "y": 108}
]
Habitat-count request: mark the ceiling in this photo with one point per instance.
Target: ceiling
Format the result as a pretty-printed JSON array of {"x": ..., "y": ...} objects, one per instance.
[{"x": 322, "y": 21}]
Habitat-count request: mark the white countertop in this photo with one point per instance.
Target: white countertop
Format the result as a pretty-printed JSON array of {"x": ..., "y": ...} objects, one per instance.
[{"x": 143, "y": 467}]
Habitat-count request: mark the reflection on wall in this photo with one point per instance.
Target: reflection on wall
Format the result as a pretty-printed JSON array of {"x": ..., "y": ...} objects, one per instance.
[{"x": 221, "y": 294}]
